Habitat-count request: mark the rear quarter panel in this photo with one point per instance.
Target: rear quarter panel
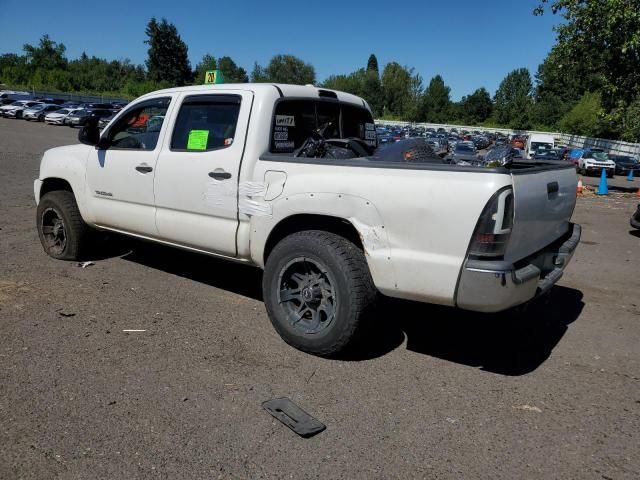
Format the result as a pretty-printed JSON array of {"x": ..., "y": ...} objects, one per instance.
[{"x": 415, "y": 225}]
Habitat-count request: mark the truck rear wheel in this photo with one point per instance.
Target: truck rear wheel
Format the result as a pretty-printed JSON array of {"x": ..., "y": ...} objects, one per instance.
[
  {"x": 317, "y": 289},
  {"x": 62, "y": 231}
]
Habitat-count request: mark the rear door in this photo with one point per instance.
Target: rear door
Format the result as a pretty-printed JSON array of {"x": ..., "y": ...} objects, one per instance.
[
  {"x": 196, "y": 183},
  {"x": 544, "y": 202}
]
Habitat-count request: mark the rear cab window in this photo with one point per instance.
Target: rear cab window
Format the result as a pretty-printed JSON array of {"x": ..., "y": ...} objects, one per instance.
[{"x": 295, "y": 120}]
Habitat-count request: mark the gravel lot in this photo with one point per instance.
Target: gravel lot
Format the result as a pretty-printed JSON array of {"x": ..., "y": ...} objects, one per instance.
[{"x": 435, "y": 393}]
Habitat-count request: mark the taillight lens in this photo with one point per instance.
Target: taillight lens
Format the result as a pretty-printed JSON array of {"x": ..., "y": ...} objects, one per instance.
[{"x": 494, "y": 226}]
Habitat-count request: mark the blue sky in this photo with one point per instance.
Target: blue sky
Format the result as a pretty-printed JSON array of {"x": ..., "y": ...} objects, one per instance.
[{"x": 470, "y": 43}]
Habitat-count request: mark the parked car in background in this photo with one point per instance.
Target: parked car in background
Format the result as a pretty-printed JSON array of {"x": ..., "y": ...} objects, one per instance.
[
  {"x": 464, "y": 154},
  {"x": 80, "y": 118},
  {"x": 39, "y": 111},
  {"x": 384, "y": 136},
  {"x": 624, "y": 163},
  {"x": 518, "y": 142},
  {"x": 539, "y": 141},
  {"x": 104, "y": 121},
  {"x": 546, "y": 154},
  {"x": 58, "y": 117},
  {"x": 592, "y": 160},
  {"x": 15, "y": 106}
]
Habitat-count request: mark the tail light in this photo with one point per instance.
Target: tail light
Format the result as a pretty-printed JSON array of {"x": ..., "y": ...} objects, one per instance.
[{"x": 493, "y": 230}]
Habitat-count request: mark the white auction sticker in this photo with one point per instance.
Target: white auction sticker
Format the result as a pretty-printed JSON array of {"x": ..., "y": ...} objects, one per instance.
[{"x": 285, "y": 121}]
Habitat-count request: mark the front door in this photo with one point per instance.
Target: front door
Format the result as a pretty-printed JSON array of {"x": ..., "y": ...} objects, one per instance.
[
  {"x": 120, "y": 177},
  {"x": 196, "y": 183}
]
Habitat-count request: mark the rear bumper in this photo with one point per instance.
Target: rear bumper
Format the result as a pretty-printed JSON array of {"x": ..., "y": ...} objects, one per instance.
[{"x": 493, "y": 286}]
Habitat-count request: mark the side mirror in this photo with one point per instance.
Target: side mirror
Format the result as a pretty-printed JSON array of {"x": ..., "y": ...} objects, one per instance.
[{"x": 90, "y": 134}]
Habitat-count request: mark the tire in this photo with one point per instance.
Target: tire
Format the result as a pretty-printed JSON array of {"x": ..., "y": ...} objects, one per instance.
[
  {"x": 342, "y": 287},
  {"x": 63, "y": 234},
  {"x": 18, "y": 115},
  {"x": 41, "y": 118}
]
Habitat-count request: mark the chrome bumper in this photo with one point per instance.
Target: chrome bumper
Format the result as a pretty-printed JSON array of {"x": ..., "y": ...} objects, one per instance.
[{"x": 493, "y": 286}]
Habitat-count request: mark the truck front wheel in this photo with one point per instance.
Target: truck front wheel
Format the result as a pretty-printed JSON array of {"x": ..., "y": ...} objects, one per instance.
[
  {"x": 317, "y": 289},
  {"x": 62, "y": 231}
]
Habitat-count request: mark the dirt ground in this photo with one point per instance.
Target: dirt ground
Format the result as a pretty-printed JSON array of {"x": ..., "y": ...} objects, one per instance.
[{"x": 434, "y": 393}]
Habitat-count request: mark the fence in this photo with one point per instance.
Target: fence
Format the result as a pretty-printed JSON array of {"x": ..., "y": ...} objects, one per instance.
[
  {"x": 73, "y": 97},
  {"x": 577, "y": 141}
]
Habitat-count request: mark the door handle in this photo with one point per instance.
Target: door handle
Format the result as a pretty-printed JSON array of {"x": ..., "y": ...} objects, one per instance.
[
  {"x": 220, "y": 174},
  {"x": 144, "y": 168}
]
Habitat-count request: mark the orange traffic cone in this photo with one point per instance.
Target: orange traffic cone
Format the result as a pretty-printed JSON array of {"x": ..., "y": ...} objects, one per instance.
[
  {"x": 579, "y": 186},
  {"x": 638, "y": 193}
]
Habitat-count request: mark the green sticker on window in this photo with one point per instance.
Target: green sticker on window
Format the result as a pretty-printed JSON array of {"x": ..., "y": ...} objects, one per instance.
[{"x": 198, "y": 140}]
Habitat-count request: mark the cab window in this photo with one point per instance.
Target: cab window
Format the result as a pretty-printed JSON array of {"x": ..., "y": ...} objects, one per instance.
[
  {"x": 294, "y": 121},
  {"x": 139, "y": 127},
  {"x": 206, "y": 122}
]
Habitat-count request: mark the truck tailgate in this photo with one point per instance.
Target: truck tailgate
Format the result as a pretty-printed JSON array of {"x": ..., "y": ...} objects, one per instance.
[{"x": 544, "y": 199}]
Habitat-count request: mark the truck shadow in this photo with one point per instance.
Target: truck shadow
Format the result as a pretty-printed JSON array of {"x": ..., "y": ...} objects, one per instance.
[{"x": 510, "y": 343}]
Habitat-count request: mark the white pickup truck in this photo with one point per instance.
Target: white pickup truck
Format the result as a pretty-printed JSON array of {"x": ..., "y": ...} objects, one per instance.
[{"x": 289, "y": 179}]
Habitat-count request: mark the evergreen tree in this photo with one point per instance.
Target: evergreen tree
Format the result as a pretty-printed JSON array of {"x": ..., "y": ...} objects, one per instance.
[
  {"x": 436, "y": 103},
  {"x": 167, "y": 55},
  {"x": 232, "y": 73},
  {"x": 372, "y": 64}
]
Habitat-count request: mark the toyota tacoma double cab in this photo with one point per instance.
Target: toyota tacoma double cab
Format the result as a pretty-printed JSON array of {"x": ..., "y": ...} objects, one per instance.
[{"x": 290, "y": 179}]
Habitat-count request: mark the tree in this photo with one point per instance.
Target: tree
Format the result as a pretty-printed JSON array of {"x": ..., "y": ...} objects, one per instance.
[
  {"x": 208, "y": 62},
  {"x": 436, "y": 104},
  {"x": 232, "y": 73},
  {"x": 352, "y": 83},
  {"x": 585, "y": 118},
  {"x": 48, "y": 55},
  {"x": 167, "y": 55},
  {"x": 513, "y": 99},
  {"x": 601, "y": 38},
  {"x": 258, "y": 74},
  {"x": 372, "y": 92},
  {"x": 372, "y": 64},
  {"x": 476, "y": 108},
  {"x": 285, "y": 69},
  {"x": 631, "y": 122},
  {"x": 396, "y": 89}
]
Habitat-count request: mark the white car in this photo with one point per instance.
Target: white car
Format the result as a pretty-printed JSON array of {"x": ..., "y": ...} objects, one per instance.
[
  {"x": 16, "y": 108},
  {"x": 39, "y": 111},
  {"x": 593, "y": 161},
  {"x": 288, "y": 178},
  {"x": 57, "y": 117}
]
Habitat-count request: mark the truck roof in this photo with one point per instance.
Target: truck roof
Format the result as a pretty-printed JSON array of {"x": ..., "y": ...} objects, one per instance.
[{"x": 280, "y": 89}]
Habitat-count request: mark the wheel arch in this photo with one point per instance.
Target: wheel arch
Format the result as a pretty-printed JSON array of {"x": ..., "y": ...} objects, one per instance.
[
  {"x": 311, "y": 221},
  {"x": 51, "y": 184}
]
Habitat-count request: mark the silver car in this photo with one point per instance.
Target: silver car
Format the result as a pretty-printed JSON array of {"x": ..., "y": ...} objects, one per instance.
[{"x": 38, "y": 112}]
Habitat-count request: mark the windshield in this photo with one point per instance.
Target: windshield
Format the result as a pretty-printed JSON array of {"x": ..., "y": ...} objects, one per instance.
[
  {"x": 540, "y": 145},
  {"x": 37, "y": 107},
  {"x": 63, "y": 111},
  {"x": 600, "y": 155}
]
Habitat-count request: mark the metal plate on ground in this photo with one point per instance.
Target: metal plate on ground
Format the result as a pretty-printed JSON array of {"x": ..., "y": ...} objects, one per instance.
[{"x": 293, "y": 417}]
